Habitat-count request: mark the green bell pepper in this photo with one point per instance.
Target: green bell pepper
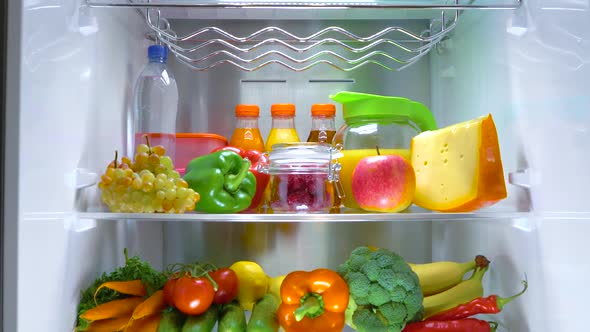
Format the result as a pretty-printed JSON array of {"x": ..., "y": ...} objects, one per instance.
[{"x": 223, "y": 180}]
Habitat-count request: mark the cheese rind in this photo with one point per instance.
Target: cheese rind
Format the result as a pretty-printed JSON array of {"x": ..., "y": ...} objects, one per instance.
[{"x": 458, "y": 168}]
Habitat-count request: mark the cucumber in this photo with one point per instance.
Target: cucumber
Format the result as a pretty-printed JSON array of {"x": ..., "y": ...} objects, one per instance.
[
  {"x": 264, "y": 315},
  {"x": 171, "y": 321},
  {"x": 232, "y": 319},
  {"x": 204, "y": 322}
]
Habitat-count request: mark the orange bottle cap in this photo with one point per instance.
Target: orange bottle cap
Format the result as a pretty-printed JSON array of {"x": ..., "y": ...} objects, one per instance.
[
  {"x": 247, "y": 110},
  {"x": 282, "y": 110},
  {"x": 326, "y": 110}
]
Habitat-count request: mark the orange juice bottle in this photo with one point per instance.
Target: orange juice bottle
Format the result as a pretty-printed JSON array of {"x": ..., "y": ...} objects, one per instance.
[
  {"x": 247, "y": 136},
  {"x": 323, "y": 129},
  {"x": 283, "y": 125}
]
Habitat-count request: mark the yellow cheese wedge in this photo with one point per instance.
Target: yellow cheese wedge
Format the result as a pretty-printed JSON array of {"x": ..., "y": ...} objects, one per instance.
[{"x": 458, "y": 168}]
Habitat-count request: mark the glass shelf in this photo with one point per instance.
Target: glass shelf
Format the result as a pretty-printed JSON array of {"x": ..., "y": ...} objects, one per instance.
[
  {"x": 299, "y": 218},
  {"x": 405, "y": 4}
]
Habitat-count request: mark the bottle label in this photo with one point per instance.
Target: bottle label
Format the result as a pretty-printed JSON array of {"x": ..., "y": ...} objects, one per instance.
[{"x": 322, "y": 136}]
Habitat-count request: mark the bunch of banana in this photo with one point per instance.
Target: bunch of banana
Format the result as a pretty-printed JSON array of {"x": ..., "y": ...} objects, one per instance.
[{"x": 443, "y": 285}]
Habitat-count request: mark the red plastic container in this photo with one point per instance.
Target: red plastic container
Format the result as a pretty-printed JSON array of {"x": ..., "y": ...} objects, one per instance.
[{"x": 192, "y": 145}]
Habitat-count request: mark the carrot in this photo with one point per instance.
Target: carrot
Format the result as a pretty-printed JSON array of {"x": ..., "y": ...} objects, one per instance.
[
  {"x": 112, "y": 309},
  {"x": 154, "y": 304},
  {"x": 146, "y": 324},
  {"x": 133, "y": 287},
  {"x": 109, "y": 325}
]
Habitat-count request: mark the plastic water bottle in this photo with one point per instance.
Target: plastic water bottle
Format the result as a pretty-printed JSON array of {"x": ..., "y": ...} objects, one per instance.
[{"x": 156, "y": 102}]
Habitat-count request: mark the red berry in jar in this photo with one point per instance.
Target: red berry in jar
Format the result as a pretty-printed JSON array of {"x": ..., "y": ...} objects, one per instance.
[
  {"x": 300, "y": 177},
  {"x": 301, "y": 192}
]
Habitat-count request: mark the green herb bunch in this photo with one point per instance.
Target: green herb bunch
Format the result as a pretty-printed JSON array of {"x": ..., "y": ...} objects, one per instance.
[{"x": 134, "y": 269}]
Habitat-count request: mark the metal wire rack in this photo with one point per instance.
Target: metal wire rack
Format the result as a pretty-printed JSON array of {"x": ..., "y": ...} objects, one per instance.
[{"x": 392, "y": 48}]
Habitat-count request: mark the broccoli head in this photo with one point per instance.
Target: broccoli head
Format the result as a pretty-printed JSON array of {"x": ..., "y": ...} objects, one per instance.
[
  {"x": 384, "y": 288},
  {"x": 378, "y": 296},
  {"x": 358, "y": 284},
  {"x": 371, "y": 270},
  {"x": 394, "y": 310},
  {"x": 366, "y": 320}
]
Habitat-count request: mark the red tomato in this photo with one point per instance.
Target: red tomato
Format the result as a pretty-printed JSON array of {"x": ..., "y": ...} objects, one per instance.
[
  {"x": 169, "y": 291},
  {"x": 227, "y": 285},
  {"x": 193, "y": 296}
]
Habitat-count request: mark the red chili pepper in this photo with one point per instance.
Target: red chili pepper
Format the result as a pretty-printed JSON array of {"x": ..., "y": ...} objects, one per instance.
[
  {"x": 463, "y": 325},
  {"x": 482, "y": 305},
  {"x": 262, "y": 179}
]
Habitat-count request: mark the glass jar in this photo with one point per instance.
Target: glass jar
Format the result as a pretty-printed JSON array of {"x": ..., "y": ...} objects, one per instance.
[
  {"x": 302, "y": 177},
  {"x": 376, "y": 122}
]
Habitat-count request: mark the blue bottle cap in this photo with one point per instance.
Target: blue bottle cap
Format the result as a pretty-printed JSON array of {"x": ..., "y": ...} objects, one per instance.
[{"x": 158, "y": 53}]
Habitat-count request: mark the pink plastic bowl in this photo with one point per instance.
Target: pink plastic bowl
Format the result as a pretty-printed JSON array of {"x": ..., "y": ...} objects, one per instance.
[{"x": 192, "y": 145}]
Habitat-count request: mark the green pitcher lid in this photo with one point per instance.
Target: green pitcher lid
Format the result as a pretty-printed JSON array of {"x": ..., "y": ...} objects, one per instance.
[{"x": 358, "y": 105}]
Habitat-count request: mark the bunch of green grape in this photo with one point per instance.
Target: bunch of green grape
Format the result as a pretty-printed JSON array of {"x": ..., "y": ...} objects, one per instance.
[
  {"x": 149, "y": 184},
  {"x": 152, "y": 159}
]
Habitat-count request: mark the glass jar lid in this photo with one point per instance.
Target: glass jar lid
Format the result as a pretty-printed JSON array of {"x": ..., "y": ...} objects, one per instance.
[{"x": 302, "y": 158}]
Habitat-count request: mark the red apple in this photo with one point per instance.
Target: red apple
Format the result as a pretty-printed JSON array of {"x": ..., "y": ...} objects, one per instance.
[{"x": 383, "y": 183}]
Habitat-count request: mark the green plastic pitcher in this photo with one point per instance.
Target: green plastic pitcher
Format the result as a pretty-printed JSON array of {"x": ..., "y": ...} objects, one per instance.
[{"x": 372, "y": 121}]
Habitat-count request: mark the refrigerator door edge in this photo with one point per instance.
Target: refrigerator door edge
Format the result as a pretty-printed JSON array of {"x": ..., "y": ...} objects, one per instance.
[{"x": 11, "y": 73}]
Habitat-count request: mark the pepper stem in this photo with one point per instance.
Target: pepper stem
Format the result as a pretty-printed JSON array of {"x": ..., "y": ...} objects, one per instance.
[
  {"x": 312, "y": 306},
  {"x": 502, "y": 301},
  {"x": 233, "y": 181},
  {"x": 493, "y": 326}
]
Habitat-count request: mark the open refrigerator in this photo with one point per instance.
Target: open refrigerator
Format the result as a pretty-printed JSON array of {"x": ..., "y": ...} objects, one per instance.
[{"x": 70, "y": 70}]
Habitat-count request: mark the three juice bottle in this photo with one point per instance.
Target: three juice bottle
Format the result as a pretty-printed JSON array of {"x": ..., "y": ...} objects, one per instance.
[
  {"x": 283, "y": 125},
  {"x": 247, "y": 136}
]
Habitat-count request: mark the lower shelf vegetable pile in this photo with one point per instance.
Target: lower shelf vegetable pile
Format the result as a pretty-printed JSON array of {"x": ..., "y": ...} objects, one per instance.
[{"x": 374, "y": 290}]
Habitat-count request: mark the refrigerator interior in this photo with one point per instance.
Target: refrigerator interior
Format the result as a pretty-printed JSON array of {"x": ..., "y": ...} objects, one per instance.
[{"x": 73, "y": 69}]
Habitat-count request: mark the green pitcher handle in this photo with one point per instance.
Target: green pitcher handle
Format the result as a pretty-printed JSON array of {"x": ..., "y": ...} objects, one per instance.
[
  {"x": 421, "y": 116},
  {"x": 414, "y": 111}
]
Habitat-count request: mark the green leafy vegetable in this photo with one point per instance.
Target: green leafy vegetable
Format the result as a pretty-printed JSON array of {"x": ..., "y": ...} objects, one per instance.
[{"x": 134, "y": 269}]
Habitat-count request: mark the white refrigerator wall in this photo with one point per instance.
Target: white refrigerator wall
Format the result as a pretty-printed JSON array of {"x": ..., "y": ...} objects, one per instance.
[
  {"x": 528, "y": 68},
  {"x": 78, "y": 67}
]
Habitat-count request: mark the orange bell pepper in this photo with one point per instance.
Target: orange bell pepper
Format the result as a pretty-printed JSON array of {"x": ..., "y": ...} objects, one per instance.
[{"x": 313, "y": 301}]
